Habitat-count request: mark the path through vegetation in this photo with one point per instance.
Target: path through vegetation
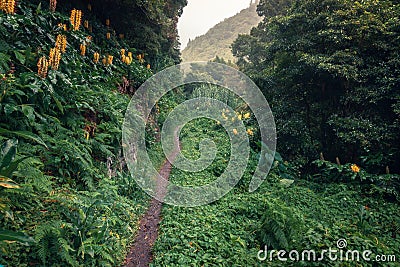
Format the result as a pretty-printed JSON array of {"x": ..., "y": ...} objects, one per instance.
[{"x": 141, "y": 251}]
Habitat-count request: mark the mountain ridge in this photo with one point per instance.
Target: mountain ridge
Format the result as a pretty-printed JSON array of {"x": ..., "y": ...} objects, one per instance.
[{"x": 217, "y": 41}]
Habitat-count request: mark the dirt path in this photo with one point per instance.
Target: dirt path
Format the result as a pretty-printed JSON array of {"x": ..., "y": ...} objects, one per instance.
[{"x": 140, "y": 254}]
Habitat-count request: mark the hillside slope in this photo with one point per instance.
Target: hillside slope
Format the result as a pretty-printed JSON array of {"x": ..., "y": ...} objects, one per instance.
[
  {"x": 66, "y": 79},
  {"x": 217, "y": 41}
]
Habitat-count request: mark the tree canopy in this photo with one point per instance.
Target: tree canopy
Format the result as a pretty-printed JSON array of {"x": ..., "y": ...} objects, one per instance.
[
  {"x": 331, "y": 71},
  {"x": 147, "y": 25}
]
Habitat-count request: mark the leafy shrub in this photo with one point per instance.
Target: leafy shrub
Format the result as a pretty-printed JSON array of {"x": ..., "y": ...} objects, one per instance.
[
  {"x": 387, "y": 185},
  {"x": 280, "y": 225},
  {"x": 68, "y": 126},
  {"x": 329, "y": 70}
]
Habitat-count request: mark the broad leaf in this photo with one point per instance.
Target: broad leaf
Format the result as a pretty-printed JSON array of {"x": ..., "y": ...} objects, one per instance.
[
  {"x": 8, "y": 151},
  {"x": 24, "y": 134},
  {"x": 8, "y": 183},
  {"x": 7, "y": 235}
]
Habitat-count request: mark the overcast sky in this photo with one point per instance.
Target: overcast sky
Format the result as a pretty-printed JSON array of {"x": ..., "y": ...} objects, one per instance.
[{"x": 201, "y": 15}]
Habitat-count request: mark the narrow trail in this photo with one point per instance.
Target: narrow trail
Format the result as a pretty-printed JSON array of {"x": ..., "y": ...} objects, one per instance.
[{"x": 141, "y": 250}]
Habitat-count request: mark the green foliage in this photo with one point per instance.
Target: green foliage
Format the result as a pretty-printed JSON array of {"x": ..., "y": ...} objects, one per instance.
[
  {"x": 280, "y": 225},
  {"x": 66, "y": 185},
  {"x": 94, "y": 229},
  {"x": 215, "y": 92},
  {"x": 8, "y": 164},
  {"x": 11, "y": 236},
  {"x": 329, "y": 68},
  {"x": 273, "y": 8},
  {"x": 8, "y": 167},
  {"x": 148, "y": 26},
  {"x": 283, "y": 168},
  {"x": 285, "y": 213},
  {"x": 329, "y": 71},
  {"x": 382, "y": 185},
  {"x": 365, "y": 219},
  {"x": 337, "y": 172}
]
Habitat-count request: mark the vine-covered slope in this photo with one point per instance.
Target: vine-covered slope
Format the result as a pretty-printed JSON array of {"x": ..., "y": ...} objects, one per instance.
[{"x": 67, "y": 73}]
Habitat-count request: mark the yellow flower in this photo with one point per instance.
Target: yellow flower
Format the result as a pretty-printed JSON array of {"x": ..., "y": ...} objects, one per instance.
[
  {"x": 128, "y": 60},
  {"x": 62, "y": 26},
  {"x": 64, "y": 44},
  {"x": 43, "y": 66},
  {"x": 355, "y": 168},
  {"x": 124, "y": 58},
  {"x": 108, "y": 22},
  {"x": 11, "y": 7},
  {"x": 110, "y": 60},
  {"x": 148, "y": 66},
  {"x": 61, "y": 43},
  {"x": 96, "y": 57},
  {"x": 140, "y": 57},
  {"x": 249, "y": 132},
  {"x": 76, "y": 19},
  {"x": 54, "y": 58},
  {"x": 247, "y": 115},
  {"x": 108, "y": 35},
  {"x": 7, "y": 6},
  {"x": 240, "y": 117},
  {"x": 235, "y": 132},
  {"x": 73, "y": 15},
  {"x": 83, "y": 49},
  {"x": 51, "y": 55}
]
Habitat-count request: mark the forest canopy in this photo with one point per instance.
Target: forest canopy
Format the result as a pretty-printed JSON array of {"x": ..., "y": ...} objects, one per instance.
[
  {"x": 150, "y": 26},
  {"x": 330, "y": 69}
]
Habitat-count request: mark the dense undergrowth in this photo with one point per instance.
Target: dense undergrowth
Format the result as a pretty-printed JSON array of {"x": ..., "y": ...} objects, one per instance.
[
  {"x": 289, "y": 211},
  {"x": 65, "y": 196}
]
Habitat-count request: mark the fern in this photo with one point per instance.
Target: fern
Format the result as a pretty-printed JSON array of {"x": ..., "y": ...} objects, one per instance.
[
  {"x": 52, "y": 245},
  {"x": 280, "y": 225}
]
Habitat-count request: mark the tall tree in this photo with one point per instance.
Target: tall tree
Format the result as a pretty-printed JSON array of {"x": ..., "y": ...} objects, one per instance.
[
  {"x": 331, "y": 71},
  {"x": 148, "y": 25}
]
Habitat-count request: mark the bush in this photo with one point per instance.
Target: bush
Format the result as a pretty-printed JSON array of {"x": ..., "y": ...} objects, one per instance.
[{"x": 280, "y": 225}]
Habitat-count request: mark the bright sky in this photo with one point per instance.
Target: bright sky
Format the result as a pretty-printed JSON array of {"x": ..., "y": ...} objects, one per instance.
[{"x": 201, "y": 15}]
